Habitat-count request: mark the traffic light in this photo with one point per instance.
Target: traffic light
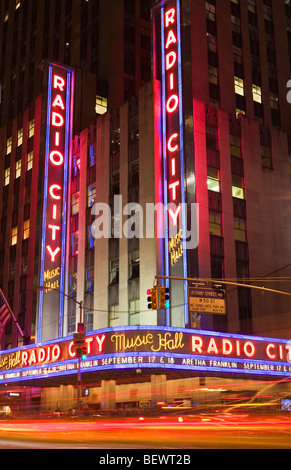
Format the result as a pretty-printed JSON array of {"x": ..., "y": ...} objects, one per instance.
[
  {"x": 152, "y": 298},
  {"x": 164, "y": 297},
  {"x": 81, "y": 352}
]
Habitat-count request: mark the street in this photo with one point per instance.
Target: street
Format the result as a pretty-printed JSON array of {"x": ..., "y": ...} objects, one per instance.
[{"x": 191, "y": 432}]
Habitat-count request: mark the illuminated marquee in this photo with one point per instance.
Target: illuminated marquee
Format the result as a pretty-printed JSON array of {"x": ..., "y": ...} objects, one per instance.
[
  {"x": 54, "y": 223},
  {"x": 154, "y": 348}
]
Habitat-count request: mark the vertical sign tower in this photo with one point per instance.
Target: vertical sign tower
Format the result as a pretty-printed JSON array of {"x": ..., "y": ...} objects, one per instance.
[
  {"x": 172, "y": 67},
  {"x": 57, "y": 123}
]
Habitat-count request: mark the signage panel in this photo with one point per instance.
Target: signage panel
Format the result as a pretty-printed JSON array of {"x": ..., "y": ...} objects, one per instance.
[
  {"x": 58, "y": 131},
  {"x": 158, "y": 348},
  {"x": 203, "y": 300}
]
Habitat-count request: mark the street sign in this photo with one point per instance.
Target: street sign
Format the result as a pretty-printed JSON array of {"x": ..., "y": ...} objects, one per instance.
[
  {"x": 79, "y": 339},
  {"x": 207, "y": 300}
]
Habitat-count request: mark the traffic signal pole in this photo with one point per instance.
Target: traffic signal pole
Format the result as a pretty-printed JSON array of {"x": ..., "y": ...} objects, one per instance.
[
  {"x": 79, "y": 385},
  {"x": 218, "y": 281}
]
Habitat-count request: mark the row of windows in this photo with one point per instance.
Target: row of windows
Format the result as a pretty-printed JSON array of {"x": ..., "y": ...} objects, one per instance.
[
  {"x": 18, "y": 167},
  {"x": 25, "y": 232},
  {"x": 31, "y": 126}
]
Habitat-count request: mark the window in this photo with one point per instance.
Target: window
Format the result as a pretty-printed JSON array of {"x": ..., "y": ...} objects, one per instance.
[
  {"x": 266, "y": 155},
  {"x": 90, "y": 279},
  {"x": 235, "y": 24},
  {"x": 14, "y": 236},
  {"x": 8, "y": 145},
  {"x": 239, "y": 86},
  {"x": 91, "y": 156},
  {"x": 235, "y": 147},
  {"x": 213, "y": 179},
  {"x": 113, "y": 312},
  {"x": 76, "y": 165},
  {"x": 31, "y": 128},
  {"x": 211, "y": 42},
  {"x": 240, "y": 229},
  {"x": 114, "y": 271},
  {"x": 7, "y": 177},
  {"x": 74, "y": 244},
  {"x": 134, "y": 312},
  {"x": 75, "y": 203},
  {"x": 252, "y": 6},
  {"x": 26, "y": 228},
  {"x": 274, "y": 101},
  {"x": 73, "y": 285},
  {"x": 90, "y": 237},
  {"x": 237, "y": 54},
  {"x": 213, "y": 74},
  {"x": 212, "y": 137},
  {"x": 101, "y": 105},
  {"x": 18, "y": 169},
  {"x": 210, "y": 11},
  {"x": 215, "y": 223},
  {"x": 29, "y": 162},
  {"x": 134, "y": 265},
  {"x": 88, "y": 320},
  {"x": 257, "y": 93},
  {"x": 237, "y": 187},
  {"x": 19, "y": 137},
  {"x": 91, "y": 194}
]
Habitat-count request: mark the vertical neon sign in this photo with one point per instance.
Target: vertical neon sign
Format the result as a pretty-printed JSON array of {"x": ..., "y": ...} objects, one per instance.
[
  {"x": 168, "y": 69},
  {"x": 54, "y": 219}
]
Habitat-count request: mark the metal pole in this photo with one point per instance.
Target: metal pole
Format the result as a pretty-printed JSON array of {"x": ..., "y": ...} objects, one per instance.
[
  {"x": 218, "y": 281},
  {"x": 79, "y": 367}
]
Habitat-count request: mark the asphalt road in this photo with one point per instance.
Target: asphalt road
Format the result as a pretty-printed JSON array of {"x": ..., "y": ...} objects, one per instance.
[{"x": 219, "y": 432}]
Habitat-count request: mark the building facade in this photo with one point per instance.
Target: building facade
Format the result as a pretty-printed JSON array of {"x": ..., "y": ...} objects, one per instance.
[{"x": 202, "y": 121}]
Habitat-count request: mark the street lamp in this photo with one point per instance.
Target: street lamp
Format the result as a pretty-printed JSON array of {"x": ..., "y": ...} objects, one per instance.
[{"x": 80, "y": 304}]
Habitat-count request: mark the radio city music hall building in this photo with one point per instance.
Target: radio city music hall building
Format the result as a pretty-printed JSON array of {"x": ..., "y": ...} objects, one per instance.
[{"x": 210, "y": 128}]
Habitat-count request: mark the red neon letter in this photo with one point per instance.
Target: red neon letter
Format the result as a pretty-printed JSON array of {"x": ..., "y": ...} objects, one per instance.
[
  {"x": 71, "y": 353},
  {"x": 172, "y": 148},
  {"x": 41, "y": 355},
  {"x": 58, "y": 102},
  {"x": 100, "y": 342},
  {"x": 171, "y": 39},
  {"x": 175, "y": 215},
  {"x": 288, "y": 347},
  {"x": 53, "y": 253},
  {"x": 271, "y": 356},
  {"x": 59, "y": 83},
  {"x": 24, "y": 358},
  {"x": 57, "y": 120},
  {"x": 32, "y": 359},
  {"x": 173, "y": 166},
  {"x": 252, "y": 351},
  {"x": 197, "y": 344},
  {"x": 57, "y": 139},
  {"x": 226, "y": 346},
  {"x": 60, "y": 159},
  {"x": 171, "y": 80},
  {"x": 54, "y": 214},
  {"x": 171, "y": 58},
  {"x": 212, "y": 346},
  {"x": 88, "y": 342},
  {"x": 170, "y": 16},
  {"x": 54, "y": 229},
  {"x": 56, "y": 352},
  {"x": 52, "y": 191},
  {"x": 173, "y": 187},
  {"x": 175, "y": 102}
]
